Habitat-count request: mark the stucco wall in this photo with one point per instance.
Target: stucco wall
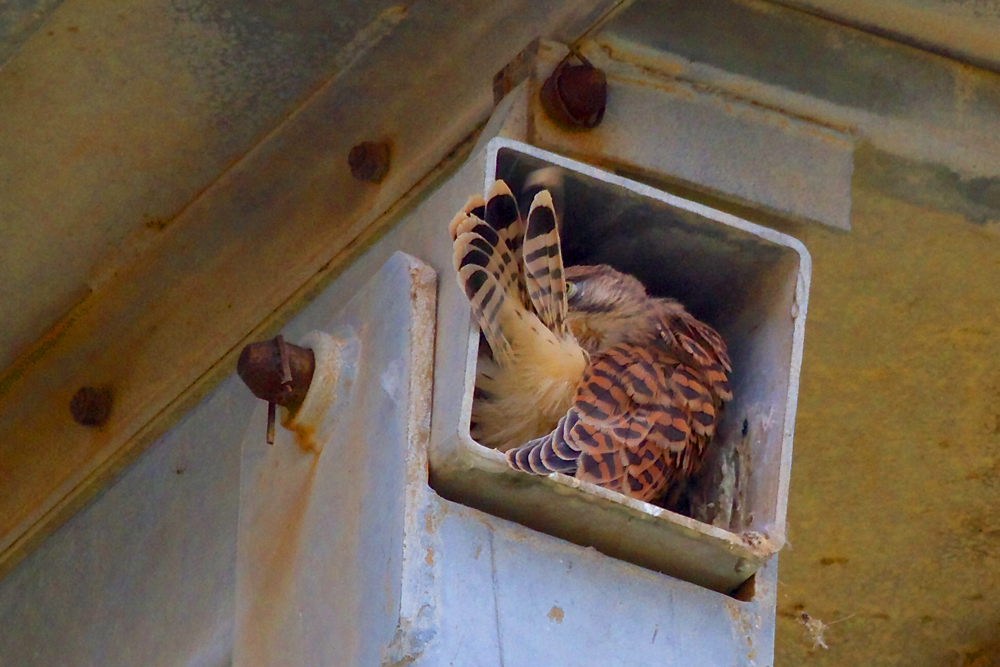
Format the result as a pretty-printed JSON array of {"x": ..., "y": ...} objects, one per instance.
[{"x": 893, "y": 522}]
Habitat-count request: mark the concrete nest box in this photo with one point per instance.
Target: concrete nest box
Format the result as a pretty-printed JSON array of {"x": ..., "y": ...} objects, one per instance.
[{"x": 750, "y": 283}]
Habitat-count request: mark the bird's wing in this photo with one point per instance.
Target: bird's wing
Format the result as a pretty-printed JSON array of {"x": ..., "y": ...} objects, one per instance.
[
  {"x": 543, "y": 265},
  {"x": 700, "y": 347},
  {"x": 637, "y": 420}
]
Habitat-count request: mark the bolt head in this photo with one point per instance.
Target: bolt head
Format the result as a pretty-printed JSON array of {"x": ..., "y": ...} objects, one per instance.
[
  {"x": 260, "y": 368},
  {"x": 575, "y": 96},
  {"x": 369, "y": 161},
  {"x": 91, "y": 406}
]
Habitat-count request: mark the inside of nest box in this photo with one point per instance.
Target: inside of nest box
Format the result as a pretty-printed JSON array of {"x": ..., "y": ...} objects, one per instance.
[{"x": 739, "y": 283}]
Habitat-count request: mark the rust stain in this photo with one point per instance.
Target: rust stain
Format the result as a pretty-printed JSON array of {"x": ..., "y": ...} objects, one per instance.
[
  {"x": 278, "y": 567},
  {"x": 556, "y": 614},
  {"x": 159, "y": 224},
  {"x": 832, "y": 560},
  {"x": 305, "y": 437},
  {"x": 733, "y": 609},
  {"x": 430, "y": 522},
  {"x": 429, "y": 558},
  {"x": 987, "y": 656}
]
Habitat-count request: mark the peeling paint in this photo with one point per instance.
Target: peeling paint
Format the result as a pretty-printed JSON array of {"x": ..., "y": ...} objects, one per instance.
[{"x": 556, "y": 614}]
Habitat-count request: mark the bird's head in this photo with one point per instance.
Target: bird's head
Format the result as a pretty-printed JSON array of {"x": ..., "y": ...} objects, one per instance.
[{"x": 606, "y": 307}]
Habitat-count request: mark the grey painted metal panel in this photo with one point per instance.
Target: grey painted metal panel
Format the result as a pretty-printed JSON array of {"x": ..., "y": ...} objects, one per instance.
[
  {"x": 144, "y": 575},
  {"x": 513, "y": 597},
  {"x": 709, "y": 141},
  {"x": 903, "y": 100},
  {"x": 320, "y": 553}
]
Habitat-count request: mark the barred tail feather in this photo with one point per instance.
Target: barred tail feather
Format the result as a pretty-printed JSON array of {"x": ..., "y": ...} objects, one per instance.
[
  {"x": 487, "y": 298},
  {"x": 543, "y": 267},
  {"x": 475, "y": 206},
  {"x": 478, "y": 243},
  {"x": 488, "y": 269},
  {"x": 501, "y": 214}
]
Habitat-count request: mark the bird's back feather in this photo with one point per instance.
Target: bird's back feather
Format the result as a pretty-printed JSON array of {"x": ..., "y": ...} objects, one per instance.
[{"x": 641, "y": 417}]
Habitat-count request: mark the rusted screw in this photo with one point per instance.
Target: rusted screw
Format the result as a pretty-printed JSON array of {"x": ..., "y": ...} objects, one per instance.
[
  {"x": 91, "y": 406},
  {"x": 277, "y": 372},
  {"x": 575, "y": 96},
  {"x": 369, "y": 161}
]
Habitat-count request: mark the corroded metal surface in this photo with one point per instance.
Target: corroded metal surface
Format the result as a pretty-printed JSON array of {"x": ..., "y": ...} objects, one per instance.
[
  {"x": 369, "y": 161},
  {"x": 277, "y": 371},
  {"x": 202, "y": 272},
  {"x": 91, "y": 406},
  {"x": 575, "y": 95}
]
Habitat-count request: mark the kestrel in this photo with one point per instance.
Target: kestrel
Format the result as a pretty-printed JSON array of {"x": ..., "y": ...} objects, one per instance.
[{"x": 586, "y": 374}]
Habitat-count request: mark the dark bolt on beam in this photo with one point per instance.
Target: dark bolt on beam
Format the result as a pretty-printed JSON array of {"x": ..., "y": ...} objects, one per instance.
[
  {"x": 274, "y": 377},
  {"x": 575, "y": 96},
  {"x": 91, "y": 406},
  {"x": 277, "y": 372},
  {"x": 369, "y": 161}
]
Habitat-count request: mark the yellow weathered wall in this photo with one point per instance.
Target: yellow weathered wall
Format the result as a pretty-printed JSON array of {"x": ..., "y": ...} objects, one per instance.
[{"x": 894, "y": 513}]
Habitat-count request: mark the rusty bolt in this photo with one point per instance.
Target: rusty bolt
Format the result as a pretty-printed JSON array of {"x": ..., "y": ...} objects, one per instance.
[
  {"x": 91, "y": 406},
  {"x": 369, "y": 161},
  {"x": 262, "y": 367},
  {"x": 575, "y": 96}
]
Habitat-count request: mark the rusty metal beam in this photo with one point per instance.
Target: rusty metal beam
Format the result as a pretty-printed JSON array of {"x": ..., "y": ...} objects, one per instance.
[{"x": 249, "y": 249}]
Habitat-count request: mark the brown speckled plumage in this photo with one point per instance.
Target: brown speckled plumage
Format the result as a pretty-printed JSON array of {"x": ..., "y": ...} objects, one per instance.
[{"x": 587, "y": 375}]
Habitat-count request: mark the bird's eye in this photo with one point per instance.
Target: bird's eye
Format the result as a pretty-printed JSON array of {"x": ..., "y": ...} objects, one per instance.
[{"x": 570, "y": 290}]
